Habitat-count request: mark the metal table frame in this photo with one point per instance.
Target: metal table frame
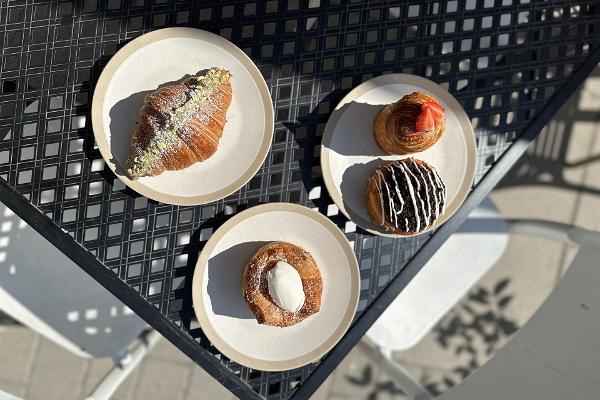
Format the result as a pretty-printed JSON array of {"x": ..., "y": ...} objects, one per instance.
[{"x": 315, "y": 375}]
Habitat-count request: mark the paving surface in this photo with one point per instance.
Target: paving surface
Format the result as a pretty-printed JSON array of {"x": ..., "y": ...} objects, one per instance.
[{"x": 558, "y": 180}]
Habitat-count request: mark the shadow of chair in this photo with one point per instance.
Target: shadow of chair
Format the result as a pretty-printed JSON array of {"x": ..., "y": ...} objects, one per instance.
[{"x": 547, "y": 159}]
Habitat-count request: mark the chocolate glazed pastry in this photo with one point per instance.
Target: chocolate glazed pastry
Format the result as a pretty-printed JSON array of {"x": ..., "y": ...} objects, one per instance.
[
  {"x": 255, "y": 286},
  {"x": 405, "y": 196},
  {"x": 412, "y": 124},
  {"x": 180, "y": 124}
]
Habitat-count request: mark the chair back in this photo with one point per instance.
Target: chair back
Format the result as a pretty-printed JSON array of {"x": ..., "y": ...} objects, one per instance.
[
  {"x": 43, "y": 289},
  {"x": 555, "y": 355}
]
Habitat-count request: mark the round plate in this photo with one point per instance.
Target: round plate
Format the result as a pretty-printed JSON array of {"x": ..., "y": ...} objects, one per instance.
[
  {"x": 163, "y": 57},
  {"x": 349, "y": 153},
  {"x": 217, "y": 287}
]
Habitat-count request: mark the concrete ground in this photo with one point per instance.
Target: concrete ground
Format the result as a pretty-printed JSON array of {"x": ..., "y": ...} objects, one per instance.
[{"x": 558, "y": 180}]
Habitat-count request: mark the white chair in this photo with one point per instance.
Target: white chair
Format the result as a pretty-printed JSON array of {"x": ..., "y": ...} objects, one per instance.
[
  {"x": 44, "y": 290},
  {"x": 553, "y": 356}
]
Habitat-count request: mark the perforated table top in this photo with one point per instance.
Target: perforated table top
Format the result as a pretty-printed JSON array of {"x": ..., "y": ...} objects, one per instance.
[{"x": 511, "y": 64}]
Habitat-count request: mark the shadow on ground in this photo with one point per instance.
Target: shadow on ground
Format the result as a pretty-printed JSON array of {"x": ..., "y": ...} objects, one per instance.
[{"x": 547, "y": 159}]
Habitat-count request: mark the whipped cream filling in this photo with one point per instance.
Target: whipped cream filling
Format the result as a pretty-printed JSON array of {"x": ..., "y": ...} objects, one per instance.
[{"x": 285, "y": 287}]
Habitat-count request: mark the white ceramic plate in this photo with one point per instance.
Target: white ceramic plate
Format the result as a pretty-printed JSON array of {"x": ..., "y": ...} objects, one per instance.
[
  {"x": 217, "y": 292},
  {"x": 349, "y": 153},
  {"x": 166, "y": 56}
]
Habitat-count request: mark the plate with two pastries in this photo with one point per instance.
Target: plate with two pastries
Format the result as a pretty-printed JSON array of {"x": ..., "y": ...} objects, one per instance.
[{"x": 398, "y": 155}]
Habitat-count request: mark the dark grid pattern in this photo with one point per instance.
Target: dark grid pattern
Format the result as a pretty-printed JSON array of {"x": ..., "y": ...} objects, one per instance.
[{"x": 502, "y": 59}]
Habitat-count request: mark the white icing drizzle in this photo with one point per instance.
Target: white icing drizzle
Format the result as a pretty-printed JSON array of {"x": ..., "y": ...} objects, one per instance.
[
  {"x": 390, "y": 199},
  {"x": 435, "y": 195},
  {"x": 412, "y": 195},
  {"x": 397, "y": 188},
  {"x": 425, "y": 209},
  {"x": 439, "y": 181},
  {"x": 426, "y": 213}
]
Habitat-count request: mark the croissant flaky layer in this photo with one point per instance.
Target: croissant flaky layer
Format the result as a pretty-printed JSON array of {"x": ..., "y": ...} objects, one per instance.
[
  {"x": 395, "y": 130},
  {"x": 180, "y": 124}
]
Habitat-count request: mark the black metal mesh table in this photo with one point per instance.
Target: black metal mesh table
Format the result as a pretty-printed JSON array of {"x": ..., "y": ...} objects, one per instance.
[{"x": 510, "y": 63}]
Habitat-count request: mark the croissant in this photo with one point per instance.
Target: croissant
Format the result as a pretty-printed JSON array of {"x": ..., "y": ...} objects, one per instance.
[
  {"x": 180, "y": 124},
  {"x": 412, "y": 124},
  {"x": 255, "y": 288},
  {"x": 405, "y": 196}
]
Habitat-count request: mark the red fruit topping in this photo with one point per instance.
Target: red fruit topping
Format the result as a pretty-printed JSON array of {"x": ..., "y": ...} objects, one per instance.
[
  {"x": 425, "y": 120},
  {"x": 437, "y": 109}
]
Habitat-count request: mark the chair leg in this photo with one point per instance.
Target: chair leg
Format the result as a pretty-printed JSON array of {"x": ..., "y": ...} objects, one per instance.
[
  {"x": 413, "y": 389},
  {"x": 555, "y": 231},
  {"x": 110, "y": 383}
]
